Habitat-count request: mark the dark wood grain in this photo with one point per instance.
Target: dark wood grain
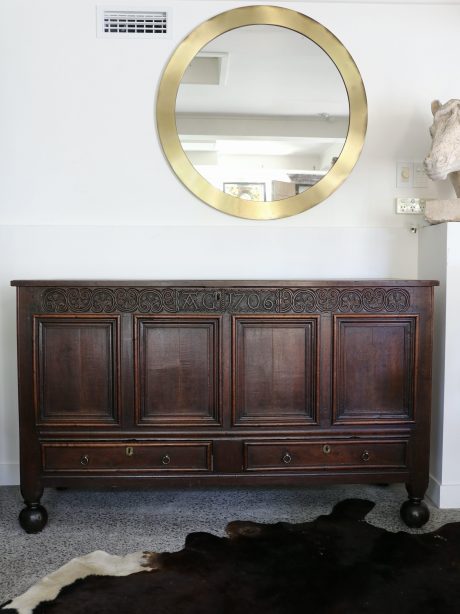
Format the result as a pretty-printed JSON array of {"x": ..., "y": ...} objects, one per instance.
[
  {"x": 275, "y": 370},
  {"x": 375, "y": 368},
  {"x": 295, "y": 455},
  {"x": 178, "y": 366},
  {"x": 76, "y": 367},
  {"x": 128, "y": 457}
]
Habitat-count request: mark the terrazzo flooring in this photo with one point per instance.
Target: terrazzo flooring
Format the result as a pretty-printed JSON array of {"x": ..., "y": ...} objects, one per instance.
[{"x": 129, "y": 521}]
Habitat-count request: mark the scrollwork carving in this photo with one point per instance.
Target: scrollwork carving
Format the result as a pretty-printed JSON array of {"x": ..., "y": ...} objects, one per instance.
[
  {"x": 150, "y": 301},
  {"x": 328, "y": 299},
  {"x": 397, "y": 300},
  {"x": 103, "y": 301},
  {"x": 225, "y": 300},
  {"x": 304, "y": 301},
  {"x": 79, "y": 299},
  {"x": 351, "y": 300},
  {"x": 373, "y": 299},
  {"x": 55, "y": 300},
  {"x": 126, "y": 299}
]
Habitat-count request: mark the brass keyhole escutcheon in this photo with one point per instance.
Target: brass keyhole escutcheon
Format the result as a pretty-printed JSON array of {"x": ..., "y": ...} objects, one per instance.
[
  {"x": 287, "y": 458},
  {"x": 365, "y": 456},
  {"x": 327, "y": 448},
  {"x": 84, "y": 460},
  {"x": 166, "y": 459},
  {"x": 129, "y": 451}
]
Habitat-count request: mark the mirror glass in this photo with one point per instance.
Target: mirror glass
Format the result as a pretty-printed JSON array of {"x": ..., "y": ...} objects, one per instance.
[{"x": 262, "y": 113}]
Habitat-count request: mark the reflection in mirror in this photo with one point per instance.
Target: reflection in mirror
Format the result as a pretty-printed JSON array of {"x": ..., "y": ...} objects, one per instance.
[{"x": 263, "y": 110}]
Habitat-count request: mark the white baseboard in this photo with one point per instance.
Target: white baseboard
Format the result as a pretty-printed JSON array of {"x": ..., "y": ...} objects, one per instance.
[
  {"x": 9, "y": 474},
  {"x": 434, "y": 491},
  {"x": 444, "y": 496}
]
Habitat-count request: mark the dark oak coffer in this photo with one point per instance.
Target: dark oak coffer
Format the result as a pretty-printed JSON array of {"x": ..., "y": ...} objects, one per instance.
[{"x": 133, "y": 384}]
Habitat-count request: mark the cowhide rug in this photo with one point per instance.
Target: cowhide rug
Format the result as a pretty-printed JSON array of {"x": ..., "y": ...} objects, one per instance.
[{"x": 335, "y": 564}]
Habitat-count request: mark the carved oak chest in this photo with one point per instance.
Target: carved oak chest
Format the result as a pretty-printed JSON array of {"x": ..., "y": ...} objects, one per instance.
[{"x": 189, "y": 383}]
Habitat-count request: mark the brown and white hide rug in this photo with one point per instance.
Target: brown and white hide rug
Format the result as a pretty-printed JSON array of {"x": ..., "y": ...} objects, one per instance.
[{"x": 336, "y": 564}]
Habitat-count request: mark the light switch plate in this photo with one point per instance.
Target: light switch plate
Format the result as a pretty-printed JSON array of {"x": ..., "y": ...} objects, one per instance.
[
  {"x": 420, "y": 178},
  {"x": 404, "y": 174}
]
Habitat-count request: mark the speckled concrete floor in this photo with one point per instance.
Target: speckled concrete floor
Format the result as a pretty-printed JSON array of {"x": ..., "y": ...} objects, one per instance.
[{"x": 127, "y": 521}]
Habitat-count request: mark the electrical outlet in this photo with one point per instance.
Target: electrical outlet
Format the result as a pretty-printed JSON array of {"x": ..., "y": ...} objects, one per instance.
[{"x": 411, "y": 206}]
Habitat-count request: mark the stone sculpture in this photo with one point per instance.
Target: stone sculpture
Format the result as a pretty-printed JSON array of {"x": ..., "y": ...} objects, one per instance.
[{"x": 444, "y": 159}]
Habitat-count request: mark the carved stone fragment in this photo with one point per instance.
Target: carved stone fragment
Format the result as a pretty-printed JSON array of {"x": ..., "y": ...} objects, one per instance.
[
  {"x": 437, "y": 211},
  {"x": 444, "y": 158}
]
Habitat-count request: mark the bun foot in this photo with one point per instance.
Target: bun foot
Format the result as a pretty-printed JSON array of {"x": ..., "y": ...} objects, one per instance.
[
  {"x": 33, "y": 518},
  {"x": 415, "y": 513}
]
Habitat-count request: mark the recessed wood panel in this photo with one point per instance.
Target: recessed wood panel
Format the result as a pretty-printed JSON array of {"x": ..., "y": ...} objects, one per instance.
[
  {"x": 275, "y": 370},
  {"x": 374, "y": 368},
  {"x": 76, "y": 369},
  {"x": 177, "y": 372}
]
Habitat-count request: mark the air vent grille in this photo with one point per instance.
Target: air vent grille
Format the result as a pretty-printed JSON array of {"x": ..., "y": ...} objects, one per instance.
[{"x": 132, "y": 24}]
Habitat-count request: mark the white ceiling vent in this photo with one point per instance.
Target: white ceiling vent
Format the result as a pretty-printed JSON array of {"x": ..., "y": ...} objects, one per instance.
[{"x": 121, "y": 23}]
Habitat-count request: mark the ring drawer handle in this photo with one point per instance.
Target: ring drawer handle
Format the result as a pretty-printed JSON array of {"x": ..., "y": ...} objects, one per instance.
[
  {"x": 84, "y": 460},
  {"x": 327, "y": 448},
  {"x": 365, "y": 456},
  {"x": 166, "y": 459},
  {"x": 287, "y": 458},
  {"x": 129, "y": 451}
]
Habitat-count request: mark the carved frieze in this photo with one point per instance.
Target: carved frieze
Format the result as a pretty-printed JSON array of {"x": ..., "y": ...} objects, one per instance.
[{"x": 224, "y": 300}]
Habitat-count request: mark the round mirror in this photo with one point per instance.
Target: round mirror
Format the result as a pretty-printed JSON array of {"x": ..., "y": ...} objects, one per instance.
[{"x": 261, "y": 112}]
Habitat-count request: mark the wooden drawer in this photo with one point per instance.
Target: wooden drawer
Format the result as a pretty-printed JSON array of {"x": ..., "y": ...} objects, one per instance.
[
  {"x": 126, "y": 457},
  {"x": 300, "y": 455}
]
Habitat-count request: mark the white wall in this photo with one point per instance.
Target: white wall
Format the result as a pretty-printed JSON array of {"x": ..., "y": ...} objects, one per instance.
[{"x": 86, "y": 192}]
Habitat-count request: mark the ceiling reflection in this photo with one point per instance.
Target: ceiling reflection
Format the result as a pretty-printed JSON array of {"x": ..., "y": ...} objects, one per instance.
[{"x": 262, "y": 105}]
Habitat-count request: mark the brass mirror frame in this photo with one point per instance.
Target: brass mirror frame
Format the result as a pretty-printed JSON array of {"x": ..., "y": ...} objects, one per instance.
[{"x": 166, "y": 111}]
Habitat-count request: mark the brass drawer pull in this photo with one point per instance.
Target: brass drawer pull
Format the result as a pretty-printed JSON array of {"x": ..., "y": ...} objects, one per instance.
[
  {"x": 129, "y": 451},
  {"x": 287, "y": 458},
  {"x": 365, "y": 456},
  {"x": 166, "y": 459},
  {"x": 327, "y": 448},
  {"x": 84, "y": 460}
]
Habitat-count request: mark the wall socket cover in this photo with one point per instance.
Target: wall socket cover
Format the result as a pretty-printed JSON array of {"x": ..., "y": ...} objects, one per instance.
[{"x": 412, "y": 206}]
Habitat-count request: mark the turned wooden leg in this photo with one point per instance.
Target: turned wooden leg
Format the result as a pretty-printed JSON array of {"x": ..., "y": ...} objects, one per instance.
[
  {"x": 414, "y": 511},
  {"x": 33, "y": 517}
]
